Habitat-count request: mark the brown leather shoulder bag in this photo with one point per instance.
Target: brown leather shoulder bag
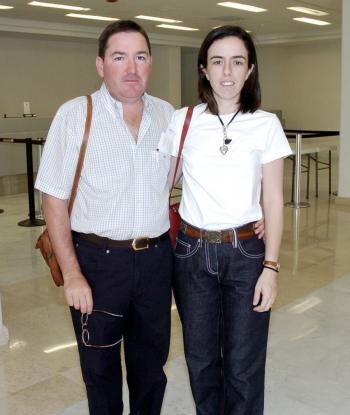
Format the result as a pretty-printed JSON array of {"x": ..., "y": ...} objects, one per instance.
[
  {"x": 174, "y": 216},
  {"x": 44, "y": 243}
]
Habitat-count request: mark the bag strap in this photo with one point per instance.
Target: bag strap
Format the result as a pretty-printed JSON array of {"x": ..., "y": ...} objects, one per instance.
[
  {"x": 182, "y": 141},
  {"x": 81, "y": 154}
]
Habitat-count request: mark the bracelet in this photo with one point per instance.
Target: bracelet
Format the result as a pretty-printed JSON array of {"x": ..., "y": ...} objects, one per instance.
[
  {"x": 274, "y": 264},
  {"x": 273, "y": 269}
]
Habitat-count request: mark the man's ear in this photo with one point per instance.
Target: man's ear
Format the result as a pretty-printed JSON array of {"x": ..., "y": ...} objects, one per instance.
[{"x": 99, "y": 66}]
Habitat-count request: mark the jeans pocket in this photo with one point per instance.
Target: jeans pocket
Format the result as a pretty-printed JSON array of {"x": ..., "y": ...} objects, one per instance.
[
  {"x": 186, "y": 249},
  {"x": 252, "y": 248}
]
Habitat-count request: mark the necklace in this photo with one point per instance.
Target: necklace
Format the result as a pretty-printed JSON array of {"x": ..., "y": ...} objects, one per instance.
[{"x": 224, "y": 148}]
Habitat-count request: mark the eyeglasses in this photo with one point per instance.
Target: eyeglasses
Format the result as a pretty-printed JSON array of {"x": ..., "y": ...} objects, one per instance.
[{"x": 85, "y": 334}]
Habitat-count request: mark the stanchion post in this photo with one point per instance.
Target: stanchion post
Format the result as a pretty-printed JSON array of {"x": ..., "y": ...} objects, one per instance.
[
  {"x": 4, "y": 333},
  {"x": 32, "y": 221},
  {"x": 30, "y": 178},
  {"x": 296, "y": 203},
  {"x": 40, "y": 196}
]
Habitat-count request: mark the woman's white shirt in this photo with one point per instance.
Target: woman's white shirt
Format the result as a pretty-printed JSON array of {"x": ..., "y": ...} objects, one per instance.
[{"x": 223, "y": 191}]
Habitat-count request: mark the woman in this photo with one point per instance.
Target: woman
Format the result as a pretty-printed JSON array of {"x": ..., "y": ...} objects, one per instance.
[{"x": 225, "y": 276}]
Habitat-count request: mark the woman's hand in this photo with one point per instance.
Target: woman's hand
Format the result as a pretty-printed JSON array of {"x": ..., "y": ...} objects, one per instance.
[
  {"x": 265, "y": 290},
  {"x": 259, "y": 228}
]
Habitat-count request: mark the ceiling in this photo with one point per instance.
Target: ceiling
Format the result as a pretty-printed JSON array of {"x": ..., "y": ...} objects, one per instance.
[{"x": 277, "y": 22}]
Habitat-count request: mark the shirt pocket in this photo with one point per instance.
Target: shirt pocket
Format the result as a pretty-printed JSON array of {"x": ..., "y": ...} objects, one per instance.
[{"x": 160, "y": 165}]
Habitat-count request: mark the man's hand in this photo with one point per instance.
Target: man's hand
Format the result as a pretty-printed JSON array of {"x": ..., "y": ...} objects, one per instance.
[
  {"x": 265, "y": 290},
  {"x": 76, "y": 289},
  {"x": 78, "y": 292},
  {"x": 259, "y": 228}
]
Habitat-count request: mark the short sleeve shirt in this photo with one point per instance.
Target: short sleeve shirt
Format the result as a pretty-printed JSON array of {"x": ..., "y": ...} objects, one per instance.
[
  {"x": 123, "y": 191},
  {"x": 223, "y": 191}
]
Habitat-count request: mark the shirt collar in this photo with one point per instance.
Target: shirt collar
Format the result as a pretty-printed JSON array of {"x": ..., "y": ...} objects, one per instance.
[{"x": 115, "y": 105}]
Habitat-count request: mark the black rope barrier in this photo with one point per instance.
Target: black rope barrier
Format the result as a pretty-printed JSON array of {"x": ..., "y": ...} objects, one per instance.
[{"x": 29, "y": 142}]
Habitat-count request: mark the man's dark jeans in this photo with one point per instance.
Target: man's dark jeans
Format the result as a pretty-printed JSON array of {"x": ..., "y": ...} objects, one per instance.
[
  {"x": 135, "y": 288},
  {"x": 225, "y": 340}
]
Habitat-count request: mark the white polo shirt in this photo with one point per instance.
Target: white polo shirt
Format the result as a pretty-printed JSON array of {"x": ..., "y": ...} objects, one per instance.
[
  {"x": 223, "y": 191},
  {"x": 123, "y": 191}
]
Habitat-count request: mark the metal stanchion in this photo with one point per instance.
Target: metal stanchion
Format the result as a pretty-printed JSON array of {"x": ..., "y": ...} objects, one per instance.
[
  {"x": 295, "y": 221},
  {"x": 40, "y": 195},
  {"x": 4, "y": 333},
  {"x": 296, "y": 202},
  {"x": 32, "y": 221}
]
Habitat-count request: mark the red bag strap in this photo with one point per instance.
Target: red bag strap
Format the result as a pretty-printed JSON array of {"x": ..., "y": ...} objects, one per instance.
[
  {"x": 81, "y": 154},
  {"x": 182, "y": 141}
]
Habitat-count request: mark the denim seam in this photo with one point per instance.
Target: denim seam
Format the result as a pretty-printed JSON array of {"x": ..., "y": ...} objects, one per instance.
[
  {"x": 246, "y": 254},
  {"x": 207, "y": 258},
  {"x": 189, "y": 254},
  {"x": 187, "y": 245}
]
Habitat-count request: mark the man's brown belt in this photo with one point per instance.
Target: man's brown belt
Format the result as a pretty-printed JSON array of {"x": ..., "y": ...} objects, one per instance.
[
  {"x": 136, "y": 244},
  {"x": 225, "y": 235}
]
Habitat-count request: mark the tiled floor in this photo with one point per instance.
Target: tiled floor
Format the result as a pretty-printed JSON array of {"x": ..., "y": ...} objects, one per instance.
[{"x": 308, "y": 369}]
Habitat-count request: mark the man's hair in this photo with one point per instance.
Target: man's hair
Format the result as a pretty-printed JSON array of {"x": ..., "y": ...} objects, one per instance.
[
  {"x": 250, "y": 97},
  {"x": 118, "y": 27}
]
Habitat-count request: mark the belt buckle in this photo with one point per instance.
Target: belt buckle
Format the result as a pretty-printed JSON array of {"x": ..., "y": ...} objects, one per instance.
[
  {"x": 213, "y": 237},
  {"x": 137, "y": 247}
]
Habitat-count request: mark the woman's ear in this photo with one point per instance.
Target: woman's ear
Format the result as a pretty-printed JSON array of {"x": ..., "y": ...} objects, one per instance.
[
  {"x": 205, "y": 72},
  {"x": 250, "y": 70}
]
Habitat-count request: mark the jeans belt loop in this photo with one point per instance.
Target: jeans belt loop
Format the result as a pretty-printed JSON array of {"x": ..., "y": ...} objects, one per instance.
[{"x": 235, "y": 238}]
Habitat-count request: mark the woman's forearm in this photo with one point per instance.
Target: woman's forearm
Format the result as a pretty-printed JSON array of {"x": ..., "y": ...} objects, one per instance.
[{"x": 273, "y": 207}]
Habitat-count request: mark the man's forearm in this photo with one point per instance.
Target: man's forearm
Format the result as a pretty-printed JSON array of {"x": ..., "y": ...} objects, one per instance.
[{"x": 58, "y": 225}]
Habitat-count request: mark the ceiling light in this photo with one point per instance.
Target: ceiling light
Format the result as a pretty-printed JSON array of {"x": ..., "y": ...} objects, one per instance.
[
  {"x": 58, "y": 6},
  {"x": 89, "y": 16},
  {"x": 5, "y": 7},
  {"x": 168, "y": 26},
  {"x": 241, "y": 6},
  {"x": 158, "y": 19},
  {"x": 311, "y": 21},
  {"x": 308, "y": 11}
]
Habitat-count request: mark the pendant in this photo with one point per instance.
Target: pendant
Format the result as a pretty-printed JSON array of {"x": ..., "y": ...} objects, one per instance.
[{"x": 223, "y": 149}]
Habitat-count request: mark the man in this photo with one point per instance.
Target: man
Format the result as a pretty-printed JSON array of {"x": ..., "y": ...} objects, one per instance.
[{"x": 114, "y": 251}]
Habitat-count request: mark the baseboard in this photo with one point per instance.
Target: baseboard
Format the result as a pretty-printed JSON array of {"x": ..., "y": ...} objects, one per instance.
[
  {"x": 13, "y": 184},
  {"x": 342, "y": 201}
]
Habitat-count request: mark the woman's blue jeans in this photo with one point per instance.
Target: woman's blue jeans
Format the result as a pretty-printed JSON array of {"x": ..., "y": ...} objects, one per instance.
[{"x": 224, "y": 338}]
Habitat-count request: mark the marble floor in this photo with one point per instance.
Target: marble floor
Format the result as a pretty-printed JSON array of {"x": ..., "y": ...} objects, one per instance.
[{"x": 308, "y": 367}]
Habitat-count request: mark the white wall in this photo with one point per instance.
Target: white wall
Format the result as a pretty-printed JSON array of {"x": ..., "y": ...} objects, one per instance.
[
  {"x": 304, "y": 81},
  {"x": 47, "y": 71},
  {"x": 165, "y": 82},
  {"x": 44, "y": 71},
  {"x": 344, "y": 165},
  {"x": 189, "y": 94}
]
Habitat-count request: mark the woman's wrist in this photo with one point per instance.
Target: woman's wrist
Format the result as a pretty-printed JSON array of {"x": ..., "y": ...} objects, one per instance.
[{"x": 273, "y": 265}]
